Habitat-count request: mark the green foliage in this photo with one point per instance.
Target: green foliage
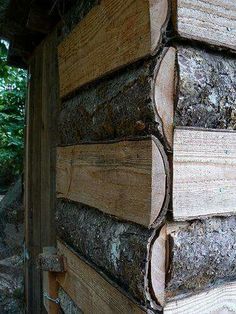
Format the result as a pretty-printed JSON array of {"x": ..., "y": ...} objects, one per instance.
[{"x": 12, "y": 103}]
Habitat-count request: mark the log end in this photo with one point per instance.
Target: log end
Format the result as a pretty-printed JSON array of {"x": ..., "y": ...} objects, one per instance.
[
  {"x": 160, "y": 183},
  {"x": 158, "y": 266},
  {"x": 159, "y": 14},
  {"x": 164, "y": 93}
]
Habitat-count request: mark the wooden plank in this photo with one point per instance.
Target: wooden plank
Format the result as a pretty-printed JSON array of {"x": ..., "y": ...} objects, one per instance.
[
  {"x": 89, "y": 290},
  {"x": 33, "y": 159},
  {"x": 50, "y": 286},
  {"x": 219, "y": 300},
  {"x": 204, "y": 177},
  {"x": 113, "y": 34},
  {"x": 212, "y": 21},
  {"x": 127, "y": 179},
  {"x": 28, "y": 184},
  {"x": 50, "y": 104},
  {"x": 40, "y": 185}
]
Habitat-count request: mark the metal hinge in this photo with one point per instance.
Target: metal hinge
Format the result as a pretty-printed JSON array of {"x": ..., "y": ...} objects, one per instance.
[{"x": 57, "y": 300}]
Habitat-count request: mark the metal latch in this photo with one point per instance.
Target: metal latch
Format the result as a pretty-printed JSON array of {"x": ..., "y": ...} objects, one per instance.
[{"x": 57, "y": 300}]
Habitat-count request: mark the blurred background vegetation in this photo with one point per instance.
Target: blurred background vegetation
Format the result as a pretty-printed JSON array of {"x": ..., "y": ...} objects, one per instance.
[{"x": 12, "y": 119}]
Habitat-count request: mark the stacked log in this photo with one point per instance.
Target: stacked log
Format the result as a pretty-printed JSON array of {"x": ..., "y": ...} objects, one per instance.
[{"x": 122, "y": 94}]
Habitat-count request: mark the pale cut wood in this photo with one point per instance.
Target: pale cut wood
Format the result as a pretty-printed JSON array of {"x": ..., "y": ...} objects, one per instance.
[
  {"x": 113, "y": 34},
  {"x": 164, "y": 92},
  {"x": 204, "y": 176},
  {"x": 89, "y": 290},
  {"x": 211, "y": 21},
  {"x": 127, "y": 179},
  {"x": 158, "y": 265},
  {"x": 220, "y": 300}
]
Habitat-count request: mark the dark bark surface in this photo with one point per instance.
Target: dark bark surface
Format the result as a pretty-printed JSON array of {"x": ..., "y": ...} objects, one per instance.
[
  {"x": 118, "y": 249},
  {"x": 67, "y": 304},
  {"x": 207, "y": 89},
  {"x": 115, "y": 107},
  {"x": 203, "y": 254}
]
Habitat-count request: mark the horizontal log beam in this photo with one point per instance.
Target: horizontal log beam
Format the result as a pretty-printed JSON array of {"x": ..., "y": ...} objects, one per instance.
[
  {"x": 89, "y": 290},
  {"x": 202, "y": 256},
  {"x": 204, "y": 173},
  {"x": 128, "y": 254},
  {"x": 216, "y": 300},
  {"x": 213, "y": 22},
  {"x": 136, "y": 101},
  {"x": 127, "y": 179},
  {"x": 206, "y": 89},
  {"x": 113, "y": 34}
]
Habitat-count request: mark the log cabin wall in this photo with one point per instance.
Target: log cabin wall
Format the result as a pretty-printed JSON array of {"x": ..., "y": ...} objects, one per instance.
[{"x": 146, "y": 151}]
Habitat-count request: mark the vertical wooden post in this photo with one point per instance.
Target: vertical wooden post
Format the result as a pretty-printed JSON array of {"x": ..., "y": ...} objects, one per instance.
[{"x": 40, "y": 165}]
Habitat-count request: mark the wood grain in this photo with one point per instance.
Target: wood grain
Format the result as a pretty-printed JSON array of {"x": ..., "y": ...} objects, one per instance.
[
  {"x": 40, "y": 162},
  {"x": 113, "y": 34},
  {"x": 126, "y": 179},
  {"x": 211, "y": 21},
  {"x": 204, "y": 177},
  {"x": 50, "y": 286},
  {"x": 220, "y": 300},
  {"x": 164, "y": 93},
  {"x": 89, "y": 290}
]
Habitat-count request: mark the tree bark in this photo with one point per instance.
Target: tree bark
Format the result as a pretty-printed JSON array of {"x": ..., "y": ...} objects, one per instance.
[
  {"x": 206, "y": 89},
  {"x": 203, "y": 255},
  {"x": 129, "y": 103},
  {"x": 120, "y": 250},
  {"x": 67, "y": 304}
]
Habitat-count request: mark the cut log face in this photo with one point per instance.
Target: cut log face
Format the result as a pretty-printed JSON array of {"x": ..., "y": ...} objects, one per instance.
[
  {"x": 213, "y": 22},
  {"x": 133, "y": 102},
  {"x": 204, "y": 178},
  {"x": 127, "y": 254},
  {"x": 206, "y": 89},
  {"x": 113, "y": 34},
  {"x": 127, "y": 179},
  {"x": 89, "y": 290},
  {"x": 164, "y": 92},
  {"x": 203, "y": 255},
  {"x": 219, "y": 300}
]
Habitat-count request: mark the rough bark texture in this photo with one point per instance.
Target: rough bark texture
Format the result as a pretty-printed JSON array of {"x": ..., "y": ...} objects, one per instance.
[
  {"x": 118, "y": 106},
  {"x": 207, "y": 89},
  {"x": 51, "y": 263},
  {"x": 67, "y": 304},
  {"x": 203, "y": 255},
  {"x": 118, "y": 249}
]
